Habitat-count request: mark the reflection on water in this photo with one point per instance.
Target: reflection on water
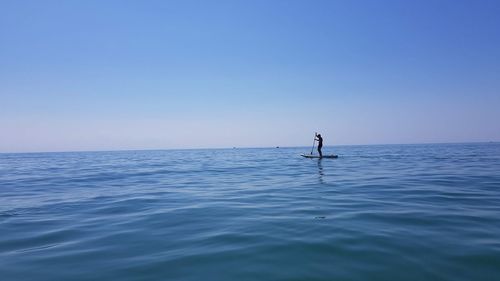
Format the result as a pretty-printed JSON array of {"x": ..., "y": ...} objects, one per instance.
[{"x": 320, "y": 171}]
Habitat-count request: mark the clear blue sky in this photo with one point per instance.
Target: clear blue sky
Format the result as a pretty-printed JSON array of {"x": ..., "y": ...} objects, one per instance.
[{"x": 100, "y": 75}]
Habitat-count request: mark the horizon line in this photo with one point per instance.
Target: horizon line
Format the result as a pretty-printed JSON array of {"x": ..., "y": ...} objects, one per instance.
[{"x": 243, "y": 147}]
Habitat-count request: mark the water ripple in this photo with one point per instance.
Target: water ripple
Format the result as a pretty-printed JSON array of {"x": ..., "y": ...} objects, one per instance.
[{"x": 409, "y": 212}]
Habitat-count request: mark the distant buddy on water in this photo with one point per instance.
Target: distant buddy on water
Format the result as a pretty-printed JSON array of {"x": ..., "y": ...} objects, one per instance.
[
  {"x": 319, "y": 138},
  {"x": 320, "y": 144}
]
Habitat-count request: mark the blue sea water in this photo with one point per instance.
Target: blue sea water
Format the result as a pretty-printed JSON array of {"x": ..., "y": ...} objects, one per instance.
[{"x": 389, "y": 212}]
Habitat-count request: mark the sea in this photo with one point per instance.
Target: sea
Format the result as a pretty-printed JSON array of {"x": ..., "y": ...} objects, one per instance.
[{"x": 378, "y": 212}]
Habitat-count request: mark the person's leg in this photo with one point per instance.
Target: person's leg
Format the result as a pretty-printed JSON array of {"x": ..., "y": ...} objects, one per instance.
[{"x": 319, "y": 151}]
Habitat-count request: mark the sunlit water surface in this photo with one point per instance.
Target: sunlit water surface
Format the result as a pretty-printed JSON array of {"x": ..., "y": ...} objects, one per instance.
[{"x": 392, "y": 212}]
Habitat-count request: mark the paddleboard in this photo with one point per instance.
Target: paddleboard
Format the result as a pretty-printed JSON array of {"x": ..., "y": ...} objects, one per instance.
[{"x": 317, "y": 156}]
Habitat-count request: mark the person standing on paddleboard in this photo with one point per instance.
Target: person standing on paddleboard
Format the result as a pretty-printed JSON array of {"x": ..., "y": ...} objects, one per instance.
[{"x": 320, "y": 144}]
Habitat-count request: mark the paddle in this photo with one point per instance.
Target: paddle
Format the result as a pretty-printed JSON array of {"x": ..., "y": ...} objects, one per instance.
[{"x": 314, "y": 141}]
